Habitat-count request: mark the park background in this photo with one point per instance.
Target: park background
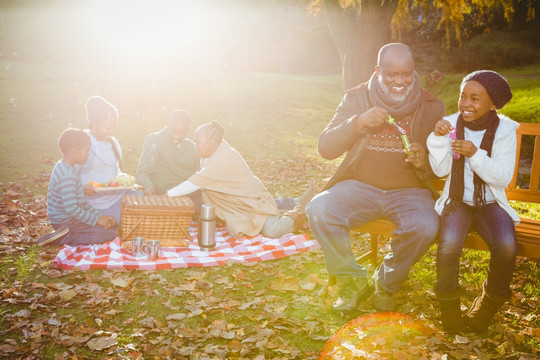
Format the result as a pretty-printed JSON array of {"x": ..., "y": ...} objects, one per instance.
[{"x": 273, "y": 73}]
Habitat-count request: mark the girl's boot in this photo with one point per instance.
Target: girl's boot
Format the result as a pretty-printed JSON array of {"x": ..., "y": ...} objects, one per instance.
[
  {"x": 450, "y": 305},
  {"x": 484, "y": 309}
]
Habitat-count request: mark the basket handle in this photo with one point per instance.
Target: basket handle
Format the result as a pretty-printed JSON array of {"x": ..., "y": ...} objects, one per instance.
[
  {"x": 133, "y": 228},
  {"x": 186, "y": 233}
]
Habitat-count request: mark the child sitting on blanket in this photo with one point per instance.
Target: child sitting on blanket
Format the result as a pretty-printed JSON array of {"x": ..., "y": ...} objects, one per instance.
[{"x": 74, "y": 220}]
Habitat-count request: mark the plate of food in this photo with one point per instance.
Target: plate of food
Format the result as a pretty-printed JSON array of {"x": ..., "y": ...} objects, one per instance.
[{"x": 121, "y": 182}]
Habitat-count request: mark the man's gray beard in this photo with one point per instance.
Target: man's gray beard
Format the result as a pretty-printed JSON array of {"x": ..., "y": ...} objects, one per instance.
[{"x": 398, "y": 98}]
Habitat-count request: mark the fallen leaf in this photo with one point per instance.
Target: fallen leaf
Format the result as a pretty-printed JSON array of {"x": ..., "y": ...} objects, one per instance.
[
  {"x": 67, "y": 295},
  {"x": 308, "y": 286},
  {"x": 22, "y": 313},
  {"x": 285, "y": 284},
  {"x": 53, "y": 321},
  {"x": 122, "y": 282},
  {"x": 7, "y": 349},
  {"x": 100, "y": 343},
  {"x": 147, "y": 322},
  {"x": 235, "y": 345},
  {"x": 177, "y": 316},
  {"x": 461, "y": 340}
]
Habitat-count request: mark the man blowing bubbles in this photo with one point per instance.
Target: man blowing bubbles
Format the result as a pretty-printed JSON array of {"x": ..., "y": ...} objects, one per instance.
[{"x": 379, "y": 178}]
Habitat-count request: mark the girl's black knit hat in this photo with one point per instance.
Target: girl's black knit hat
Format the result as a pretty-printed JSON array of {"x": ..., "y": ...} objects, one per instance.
[{"x": 496, "y": 86}]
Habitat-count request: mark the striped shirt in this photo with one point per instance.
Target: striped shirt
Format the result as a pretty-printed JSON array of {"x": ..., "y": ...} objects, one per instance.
[{"x": 65, "y": 197}]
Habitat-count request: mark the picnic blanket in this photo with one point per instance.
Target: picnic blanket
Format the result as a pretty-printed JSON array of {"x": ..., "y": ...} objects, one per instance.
[{"x": 112, "y": 256}]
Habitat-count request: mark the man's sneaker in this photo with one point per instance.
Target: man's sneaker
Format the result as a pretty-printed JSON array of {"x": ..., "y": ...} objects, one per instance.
[
  {"x": 300, "y": 221},
  {"x": 382, "y": 300},
  {"x": 49, "y": 239},
  {"x": 352, "y": 290}
]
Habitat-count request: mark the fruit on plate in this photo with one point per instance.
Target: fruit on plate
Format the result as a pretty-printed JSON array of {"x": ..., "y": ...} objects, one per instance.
[
  {"x": 95, "y": 184},
  {"x": 122, "y": 180}
]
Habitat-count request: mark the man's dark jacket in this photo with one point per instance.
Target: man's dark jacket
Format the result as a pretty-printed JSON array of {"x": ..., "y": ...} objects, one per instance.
[{"x": 341, "y": 136}]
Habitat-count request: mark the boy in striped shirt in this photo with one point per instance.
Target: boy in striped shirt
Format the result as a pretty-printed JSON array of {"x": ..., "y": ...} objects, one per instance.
[{"x": 74, "y": 220}]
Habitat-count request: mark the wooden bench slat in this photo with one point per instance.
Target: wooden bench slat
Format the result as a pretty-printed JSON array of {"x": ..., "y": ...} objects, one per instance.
[
  {"x": 523, "y": 195},
  {"x": 535, "y": 167}
]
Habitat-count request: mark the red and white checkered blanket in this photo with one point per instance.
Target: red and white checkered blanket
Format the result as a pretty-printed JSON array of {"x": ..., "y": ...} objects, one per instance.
[{"x": 111, "y": 255}]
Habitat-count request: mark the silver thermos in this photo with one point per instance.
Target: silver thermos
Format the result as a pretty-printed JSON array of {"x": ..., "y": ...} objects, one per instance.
[{"x": 207, "y": 228}]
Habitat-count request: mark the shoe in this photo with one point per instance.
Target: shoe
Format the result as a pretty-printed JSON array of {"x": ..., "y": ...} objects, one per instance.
[
  {"x": 480, "y": 315},
  {"x": 50, "y": 238},
  {"x": 352, "y": 290},
  {"x": 300, "y": 221},
  {"x": 382, "y": 300},
  {"x": 450, "y": 306}
]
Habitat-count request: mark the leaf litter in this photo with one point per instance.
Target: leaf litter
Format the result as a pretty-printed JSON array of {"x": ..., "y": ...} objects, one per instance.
[{"x": 268, "y": 310}]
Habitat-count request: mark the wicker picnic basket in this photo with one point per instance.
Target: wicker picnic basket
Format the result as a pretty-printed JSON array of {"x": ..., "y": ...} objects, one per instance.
[{"x": 160, "y": 218}]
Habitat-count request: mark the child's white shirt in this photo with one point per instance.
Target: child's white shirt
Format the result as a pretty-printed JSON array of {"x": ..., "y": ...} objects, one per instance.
[
  {"x": 101, "y": 166},
  {"x": 495, "y": 170}
]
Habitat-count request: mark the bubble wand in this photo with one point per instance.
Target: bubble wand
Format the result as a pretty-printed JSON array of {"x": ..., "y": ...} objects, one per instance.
[
  {"x": 453, "y": 136},
  {"x": 404, "y": 138}
]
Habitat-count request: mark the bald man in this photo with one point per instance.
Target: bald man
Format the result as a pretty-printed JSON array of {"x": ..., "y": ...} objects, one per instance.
[
  {"x": 168, "y": 157},
  {"x": 384, "y": 174}
]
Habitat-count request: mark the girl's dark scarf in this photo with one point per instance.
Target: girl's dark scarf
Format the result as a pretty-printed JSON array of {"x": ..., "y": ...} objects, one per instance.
[
  {"x": 490, "y": 123},
  {"x": 398, "y": 109}
]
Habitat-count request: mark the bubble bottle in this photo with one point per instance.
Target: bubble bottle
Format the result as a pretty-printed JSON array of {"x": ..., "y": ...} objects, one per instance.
[{"x": 404, "y": 138}]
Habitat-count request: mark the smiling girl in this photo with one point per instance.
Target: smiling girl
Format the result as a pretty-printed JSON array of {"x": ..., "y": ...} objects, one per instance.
[{"x": 474, "y": 198}]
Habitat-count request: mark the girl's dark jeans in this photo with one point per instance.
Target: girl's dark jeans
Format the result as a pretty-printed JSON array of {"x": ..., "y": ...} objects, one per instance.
[{"x": 496, "y": 227}]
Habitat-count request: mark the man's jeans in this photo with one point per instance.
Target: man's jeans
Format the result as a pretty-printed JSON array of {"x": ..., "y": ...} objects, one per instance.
[
  {"x": 351, "y": 203},
  {"x": 496, "y": 227}
]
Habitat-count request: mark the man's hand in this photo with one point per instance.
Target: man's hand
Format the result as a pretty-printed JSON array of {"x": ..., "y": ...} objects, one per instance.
[
  {"x": 150, "y": 190},
  {"x": 442, "y": 127},
  {"x": 106, "y": 221},
  {"x": 464, "y": 147},
  {"x": 417, "y": 156},
  {"x": 374, "y": 117},
  {"x": 89, "y": 190}
]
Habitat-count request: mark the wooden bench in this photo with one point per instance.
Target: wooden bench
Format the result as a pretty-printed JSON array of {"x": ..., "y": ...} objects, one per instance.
[{"x": 527, "y": 232}]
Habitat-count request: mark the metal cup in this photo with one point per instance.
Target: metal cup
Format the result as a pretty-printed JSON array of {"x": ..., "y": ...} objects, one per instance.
[
  {"x": 137, "y": 244},
  {"x": 152, "y": 249}
]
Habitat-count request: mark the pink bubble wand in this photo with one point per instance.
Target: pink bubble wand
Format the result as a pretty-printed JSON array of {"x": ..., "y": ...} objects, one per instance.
[{"x": 454, "y": 137}]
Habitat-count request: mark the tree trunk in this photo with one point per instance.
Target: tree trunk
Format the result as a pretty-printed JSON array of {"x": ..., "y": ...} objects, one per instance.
[{"x": 359, "y": 32}]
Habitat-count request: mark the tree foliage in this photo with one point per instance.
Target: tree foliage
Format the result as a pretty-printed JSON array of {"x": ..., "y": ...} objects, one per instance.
[{"x": 360, "y": 27}]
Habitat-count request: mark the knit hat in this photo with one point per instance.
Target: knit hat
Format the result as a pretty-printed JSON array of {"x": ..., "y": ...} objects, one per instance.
[
  {"x": 98, "y": 109},
  {"x": 496, "y": 86}
]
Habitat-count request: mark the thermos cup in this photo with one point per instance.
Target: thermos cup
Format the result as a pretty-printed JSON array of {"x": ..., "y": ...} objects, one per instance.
[
  {"x": 207, "y": 228},
  {"x": 152, "y": 249},
  {"x": 137, "y": 244}
]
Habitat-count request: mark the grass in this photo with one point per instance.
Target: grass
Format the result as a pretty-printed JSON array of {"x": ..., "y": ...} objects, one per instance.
[
  {"x": 274, "y": 121},
  {"x": 266, "y": 116},
  {"x": 22, "y": 266}
]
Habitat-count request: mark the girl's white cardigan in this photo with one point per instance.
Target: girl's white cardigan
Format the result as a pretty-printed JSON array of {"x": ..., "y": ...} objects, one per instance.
[{"x": 496, "y": 171}]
